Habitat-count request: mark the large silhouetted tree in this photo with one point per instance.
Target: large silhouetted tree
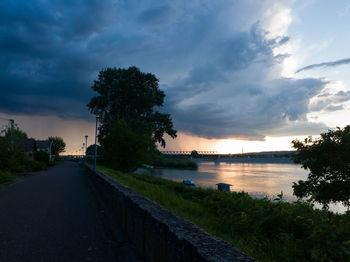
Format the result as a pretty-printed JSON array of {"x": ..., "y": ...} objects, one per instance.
[
  {"x": 134, "y": 97},
  {"x": 328, "y": 160}
]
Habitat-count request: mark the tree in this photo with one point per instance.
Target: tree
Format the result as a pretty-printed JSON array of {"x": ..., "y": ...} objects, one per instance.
[
  {"x": 12, "y": 131},
  {"x": 13, "y": 157},
  {"x": 328, "y": 160},
  {"x": 91, "y": 150},
  {"x": 42, "y": 156},
  {"x": 133, "y": 96},
  {"x": 194, "y": 154},
  {"x": 58, "y": 145},
  {"x": 126, "y": 150}
]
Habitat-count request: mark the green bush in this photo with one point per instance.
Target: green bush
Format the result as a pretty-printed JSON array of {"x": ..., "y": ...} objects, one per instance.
[
  {"x": 13, "y": 158},
  {"x": 6, "y": 176},
  {"x": 42, "y": 157},
  {"x": 37, "y": 166}
]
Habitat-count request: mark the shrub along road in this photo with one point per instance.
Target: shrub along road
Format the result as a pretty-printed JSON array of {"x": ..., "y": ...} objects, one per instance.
[{"x": 55, "y": 216}]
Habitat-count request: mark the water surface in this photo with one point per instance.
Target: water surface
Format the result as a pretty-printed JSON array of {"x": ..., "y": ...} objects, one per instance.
[
  {"x": 255, "y": 178},
  {"x": 258, "y": 179}
]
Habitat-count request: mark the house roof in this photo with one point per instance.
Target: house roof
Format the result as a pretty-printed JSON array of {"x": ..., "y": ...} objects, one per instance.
[
  {"x": 223, "y": 184},
  {"x": 43, "y": 144}
]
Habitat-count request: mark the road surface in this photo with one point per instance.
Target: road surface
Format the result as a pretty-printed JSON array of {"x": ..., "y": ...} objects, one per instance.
[{"x": 54, "y": 215}]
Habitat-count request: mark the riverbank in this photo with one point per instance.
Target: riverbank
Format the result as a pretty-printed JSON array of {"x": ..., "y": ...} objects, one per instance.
[
  {"x": 177, "y": 163},
  {"x": 265, "y": 230}
]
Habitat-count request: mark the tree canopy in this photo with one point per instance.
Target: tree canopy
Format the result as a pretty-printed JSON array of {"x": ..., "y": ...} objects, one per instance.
[
  {"x": 91, "y": 150},
  {"x": 133, "y": 96},
  {"x": 13, "y": 157},
  {"x": 58, "y": 146},
  {"x": 328, "y": 160},
  {"x": 12, "y": 131},
  {"x": 126, "y": 150}
]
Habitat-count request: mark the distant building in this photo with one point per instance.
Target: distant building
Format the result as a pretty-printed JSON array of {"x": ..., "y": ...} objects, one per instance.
[
  {"x": 30, "y": 147},
  {"x": 224, "y": 187},
  {"x": 46, "y": 146}
]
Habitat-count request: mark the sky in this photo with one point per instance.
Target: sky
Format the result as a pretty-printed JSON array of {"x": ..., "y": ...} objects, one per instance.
[{"x": 247, "y": 75}]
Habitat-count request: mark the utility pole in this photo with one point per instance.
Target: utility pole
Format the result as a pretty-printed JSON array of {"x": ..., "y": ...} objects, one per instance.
[
  {"x": 86, "y": 137},
  {"x": 95, "y": 153},
  {"x": 12, "y": 124}
]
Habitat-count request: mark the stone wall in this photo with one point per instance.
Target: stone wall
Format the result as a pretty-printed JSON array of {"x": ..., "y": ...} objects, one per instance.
[{"x": 158, "y": 234}]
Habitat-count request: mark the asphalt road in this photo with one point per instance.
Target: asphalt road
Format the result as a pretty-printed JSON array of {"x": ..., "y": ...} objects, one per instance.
[{"x": 54, "y": 215}]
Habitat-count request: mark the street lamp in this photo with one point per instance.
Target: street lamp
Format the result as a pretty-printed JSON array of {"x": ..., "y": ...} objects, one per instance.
[
  {"x": 95, "y": 149},
  {"x": 86, "y": 137}
]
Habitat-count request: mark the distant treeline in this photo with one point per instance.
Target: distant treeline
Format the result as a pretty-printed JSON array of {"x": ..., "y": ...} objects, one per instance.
[{"x": 271, "y": 154}]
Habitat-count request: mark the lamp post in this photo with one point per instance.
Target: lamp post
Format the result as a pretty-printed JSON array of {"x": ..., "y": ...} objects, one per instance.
[
  {"x": 86, "y": 137},
  {"x": 95, "y": 149}
]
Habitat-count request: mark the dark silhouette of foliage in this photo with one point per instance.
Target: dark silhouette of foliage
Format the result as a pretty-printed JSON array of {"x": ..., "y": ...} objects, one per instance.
[
  {"x": 125, "y": 150},
  {"x": 194, "y": 154},
  {"x": 58, "y": 145},
  {"x": 13, "y": 157},
  {"x": 328, "y": 160},
  {"x": 42, "y": 157},
  {"x": 133, "y": 96},
  {"x": 6, "y": 176},
  {"x": 175, "y": 163},
  {"x": 5, "y": 153},
  {"x": 12, "y": 131},
  {"x": 90, "y": 151}
]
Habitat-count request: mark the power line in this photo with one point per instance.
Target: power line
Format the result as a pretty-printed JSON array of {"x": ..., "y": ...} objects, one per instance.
[{"x": 5, "y": 119}]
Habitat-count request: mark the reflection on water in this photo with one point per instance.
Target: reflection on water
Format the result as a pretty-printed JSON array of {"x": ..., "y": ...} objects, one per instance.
[
  {"x": 258, "y": 179},
  {"x": 268, "y": 179}
]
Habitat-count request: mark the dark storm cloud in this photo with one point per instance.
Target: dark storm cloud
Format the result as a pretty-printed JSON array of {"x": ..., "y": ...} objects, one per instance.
[
  {"x": 250, "y": 112},
  {"x": 157, "y": 16},
  {"x": 215, "y": 60},
  {"x": 46, "y": 67},
  {"x": 325, "y": 64}
]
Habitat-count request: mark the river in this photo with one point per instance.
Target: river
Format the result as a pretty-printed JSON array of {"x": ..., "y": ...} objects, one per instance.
[{"x": 261, "y": 177}]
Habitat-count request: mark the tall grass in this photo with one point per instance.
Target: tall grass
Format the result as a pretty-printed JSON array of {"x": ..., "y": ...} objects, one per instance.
[
  {"x": 6, "y": 176},
  {"x": 265, "y": 230}
]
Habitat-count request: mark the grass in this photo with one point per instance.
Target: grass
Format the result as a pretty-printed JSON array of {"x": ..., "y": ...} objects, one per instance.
[
  {"x": 6, "y": 176},
  {"x": 265, "y": 230}
]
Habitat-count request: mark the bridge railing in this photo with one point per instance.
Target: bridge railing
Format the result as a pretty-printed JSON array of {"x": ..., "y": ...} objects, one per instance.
[{"x": 189, "y": 152}]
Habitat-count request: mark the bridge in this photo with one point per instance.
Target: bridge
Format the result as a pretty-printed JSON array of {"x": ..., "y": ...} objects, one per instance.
[{"x": 188, "y": 154}]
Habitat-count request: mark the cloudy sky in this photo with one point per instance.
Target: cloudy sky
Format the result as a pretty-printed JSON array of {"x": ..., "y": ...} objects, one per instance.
[{"x": 251, "y": 73}]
